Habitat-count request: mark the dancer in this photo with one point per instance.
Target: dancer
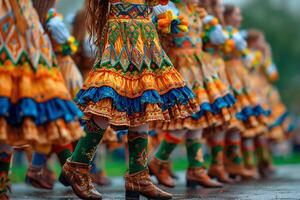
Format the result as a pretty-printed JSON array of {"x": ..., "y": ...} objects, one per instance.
[
  {"x": 251, "y": 112},
  {"x": 216, "y": 135},
  {"x": 37, "y": 109},
  {"x": 263, "y": 71},
  {"x": 213, "y": 97},
  {"x": 64, "y": 45},
  {"x": 131, "y": 84}
]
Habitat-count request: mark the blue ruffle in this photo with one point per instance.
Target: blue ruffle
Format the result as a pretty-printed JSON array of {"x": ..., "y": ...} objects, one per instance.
[
  {"x": 135, "y": 105},
  {"x": 279, "y": 121},
  {"x": 42, "y": 113},
  {"x": 205, "y": 107},
  {"x": 230, "y": 100},
  {"x": 258, "y": 110},
  {"x": 245, "y": 113},
  {"x": 227, "y": 101}
]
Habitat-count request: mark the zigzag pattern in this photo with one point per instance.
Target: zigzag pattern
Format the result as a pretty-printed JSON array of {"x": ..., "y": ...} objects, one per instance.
[
  {"x": 132, "y": 11},
  {"x": 34, "y": 48}
]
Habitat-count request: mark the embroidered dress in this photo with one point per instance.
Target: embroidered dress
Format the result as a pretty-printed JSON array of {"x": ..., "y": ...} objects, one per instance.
[
  {"x": 214, "y": 39},
  {"x": 196, "y": 66},
  {"x": 248, "y": 108},
  {"x": 35, "y": 104},
  {"x": 133, "y": 81},
  {"x": 280, "y": 123}
]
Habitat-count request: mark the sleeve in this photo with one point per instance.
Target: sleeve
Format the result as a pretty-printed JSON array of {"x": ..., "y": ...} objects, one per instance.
[
  {"x": 240, "y": 42},
  {"x": 271, "y": 69},
  {"x": 60, "y": 33},
  {"x": 213, "y": 31},
  {"x": 168, "y": 20}
]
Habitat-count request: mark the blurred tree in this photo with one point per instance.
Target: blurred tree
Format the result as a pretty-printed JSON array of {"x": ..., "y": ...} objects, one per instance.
[{"x": 282, "y": 30}]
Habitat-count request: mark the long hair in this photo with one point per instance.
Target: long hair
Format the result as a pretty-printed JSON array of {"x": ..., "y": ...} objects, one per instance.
[
  {"x": 42, "y": 7},
  {"x": 253, "y": 35},
  {"x": 213, "y": 4},
  {"x": 228, "y": 10},
  {"x": 97, "y": 11},
  {"x": 79, "y": 25}
]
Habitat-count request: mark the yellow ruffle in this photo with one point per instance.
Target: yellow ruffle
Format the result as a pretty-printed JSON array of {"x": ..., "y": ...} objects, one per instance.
[
  {"x": 55, "y": 132},
  {"x": 133, "y": 86},
  {"x": 197, "y": 69},
  {"x": 23, "y": 82}
]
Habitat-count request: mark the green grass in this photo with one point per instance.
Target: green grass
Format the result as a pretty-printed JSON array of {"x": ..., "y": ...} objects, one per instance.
[{"x": 117, "y": 167}]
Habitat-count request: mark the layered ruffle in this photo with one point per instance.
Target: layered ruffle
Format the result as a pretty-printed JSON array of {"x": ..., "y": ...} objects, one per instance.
[
  {"x": 22, "y": 82},
  {"x": 28, "y": 122},
  {"x": 123, "y": 111},
  {"x": 40, "y": 113},
  {"x": 36, "y": 107},
  {"x": 212, "y": 94},
  {"x": 248, "y": 109}
]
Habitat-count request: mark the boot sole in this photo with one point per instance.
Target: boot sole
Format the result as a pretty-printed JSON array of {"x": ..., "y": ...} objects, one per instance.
[
  {"x": 133, "y": 195},
  {"x": 66, "y": 182},
  {"x": 63, "y": 181},
  {"x": 161, "y": 183},
  {"x": 34, "y": 184},
  {"x": 194, "y": 184}
]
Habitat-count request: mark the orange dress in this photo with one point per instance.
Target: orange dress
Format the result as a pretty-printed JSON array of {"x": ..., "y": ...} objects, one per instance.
[
  {"x": 249, "y": 107},
  {"x": 196, "y": 66},
  {"x": 133, "y": 81},
  {"x": 36, "y": 107}
]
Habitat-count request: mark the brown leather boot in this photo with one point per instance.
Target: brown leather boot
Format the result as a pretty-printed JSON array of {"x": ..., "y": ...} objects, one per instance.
[
  {"x": 171, "y": 172},
  {"x": 198, "y": 176},
  {"x": 160, "y": 169},
  {"x": 218, "y": 171},
  {"x": 38, "y": 178},
  {"x": 266, "y": 169},
  {"x": 77, "y": 176},
  {"x": 100, "y": 179},
  {"x": 49, "y": 174},
  {"x": 140, "y": 184},
  {"x": 239, "y": 170},
  {"x": 5, "y": 186},
  {"x": 4, "y": 196}
]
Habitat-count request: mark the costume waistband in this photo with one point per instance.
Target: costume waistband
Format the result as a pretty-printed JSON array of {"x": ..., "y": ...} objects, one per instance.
[{"x": 130, "y": 11}]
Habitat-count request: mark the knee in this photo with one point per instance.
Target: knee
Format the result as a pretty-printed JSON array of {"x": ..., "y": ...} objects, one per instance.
[
  {"x": 102, "y": 122},
  {"x": 142, "y": 128}
]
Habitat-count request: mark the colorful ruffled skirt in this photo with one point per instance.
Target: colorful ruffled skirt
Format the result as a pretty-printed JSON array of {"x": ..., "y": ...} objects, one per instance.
[
  {"x": 36, "y": 107},
  {"x": 212, "y": 94},
  {"x": 281, "y": 125},
  {"x": 133, "y": 82},
  {"x": 249, "y": 107}
]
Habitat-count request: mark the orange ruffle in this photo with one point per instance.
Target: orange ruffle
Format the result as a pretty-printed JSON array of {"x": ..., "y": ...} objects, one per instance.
[
  {"x": 23, "y": 82},
  {"x": 197, "y": 69},
  {"x": 55, "y": 132},
  {"x": 152, "y": 113},
  {"x": 133, "y": 86}
]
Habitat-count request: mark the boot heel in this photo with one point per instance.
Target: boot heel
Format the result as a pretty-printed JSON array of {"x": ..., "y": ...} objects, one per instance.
[
  {"x": 63, "y": 180},
  {"x": 132, "y": 195},
  {"x": 191, "y": 184}
]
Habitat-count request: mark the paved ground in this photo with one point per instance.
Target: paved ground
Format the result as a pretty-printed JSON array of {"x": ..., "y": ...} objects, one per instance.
[{"x": 284, "y": 185}]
